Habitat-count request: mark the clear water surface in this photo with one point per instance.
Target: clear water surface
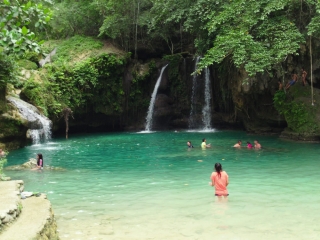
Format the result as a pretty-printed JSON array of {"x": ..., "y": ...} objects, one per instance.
[{"x": 150, "y": 186}]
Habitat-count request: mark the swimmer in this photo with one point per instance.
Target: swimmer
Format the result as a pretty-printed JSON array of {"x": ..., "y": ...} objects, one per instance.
[
  {"x": 238, "y": 144},
  {"x": 189, "y": 144},
  {"x": 249, "y": 145},
  {"x": 204, "y": 145},
  {"x": 220, "y": 181},
  {"x": 257, "y": 145}
]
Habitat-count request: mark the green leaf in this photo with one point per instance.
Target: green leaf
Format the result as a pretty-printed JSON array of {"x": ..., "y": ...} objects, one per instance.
[
  {"x": 24, "y": 30},
  {"x": 6, "y": 2}
]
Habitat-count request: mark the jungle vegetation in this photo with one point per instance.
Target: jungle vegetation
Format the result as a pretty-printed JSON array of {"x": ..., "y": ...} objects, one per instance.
[{"x": 256, "y": 35}]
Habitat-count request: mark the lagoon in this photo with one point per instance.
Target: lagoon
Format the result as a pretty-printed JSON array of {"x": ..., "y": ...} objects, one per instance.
[{"x": 150, "y": 186}]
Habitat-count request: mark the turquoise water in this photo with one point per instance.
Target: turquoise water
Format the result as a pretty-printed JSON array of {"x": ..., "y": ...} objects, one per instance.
[{"x": 149, "y": 186}]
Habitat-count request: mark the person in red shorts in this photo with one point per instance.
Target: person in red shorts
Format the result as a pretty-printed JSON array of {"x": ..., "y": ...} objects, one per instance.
[{"x": 220, "y": 181}]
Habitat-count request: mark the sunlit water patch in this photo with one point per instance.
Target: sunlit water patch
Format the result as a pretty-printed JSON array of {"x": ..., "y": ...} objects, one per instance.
[{"x": 150, "y": 186}]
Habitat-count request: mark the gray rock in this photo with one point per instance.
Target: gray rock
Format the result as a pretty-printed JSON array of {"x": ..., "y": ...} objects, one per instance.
[
  {"x": 3, "y": 215},
  {"x": 7, "y": 219}
]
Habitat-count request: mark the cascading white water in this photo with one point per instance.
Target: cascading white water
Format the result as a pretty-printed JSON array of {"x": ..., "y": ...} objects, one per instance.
[
  {"x": 206, "y": 110},
  {"x": 152, "y": 101},
  {"x": 39, "y": 125},
  {"x": 194, "y": 85}
]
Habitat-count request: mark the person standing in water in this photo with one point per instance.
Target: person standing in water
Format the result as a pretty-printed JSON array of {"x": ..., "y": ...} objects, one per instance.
[
  {"x": 257, "y": 145},
  {"x": 220, "y": 181},
  {"x": 204, "y": 145}
]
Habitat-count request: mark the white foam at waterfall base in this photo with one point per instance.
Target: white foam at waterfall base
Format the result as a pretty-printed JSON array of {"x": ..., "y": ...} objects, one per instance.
[{"x": 152, "y": 102}]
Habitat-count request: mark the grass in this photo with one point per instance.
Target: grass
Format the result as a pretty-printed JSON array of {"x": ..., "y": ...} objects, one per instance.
[{"x": 78, "y": 48}]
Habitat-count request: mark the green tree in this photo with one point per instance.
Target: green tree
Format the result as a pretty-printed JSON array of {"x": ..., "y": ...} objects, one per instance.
[
  {"x": 253, "y": 34},
  {"x": 72, "y": 17},
  {"x": 16, "y": 21}
]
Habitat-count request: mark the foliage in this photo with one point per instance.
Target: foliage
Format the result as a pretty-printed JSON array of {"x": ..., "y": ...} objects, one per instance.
[
  {"x": 3, "y": 161},
  {"x": 178, "y": 88},
  {"x": 314, "y": 25},
  {"x": 125, "y": 21},
  {"x": 70, "y": 49},
  {"x": 139, "y": 88},
  {"x": 256, "y": 34},
  {"x": 18, "y": 18},
  {"x": 26, "y": 64},
  {"x": 75, "y": 18},
  {"x": 8, "y": 70},
  {"x": 299, "y": 116},
  {"x": 94, "y": 84}
]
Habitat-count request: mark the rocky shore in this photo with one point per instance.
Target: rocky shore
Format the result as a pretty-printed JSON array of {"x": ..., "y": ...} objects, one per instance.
[{"x": 30, "y": 218}]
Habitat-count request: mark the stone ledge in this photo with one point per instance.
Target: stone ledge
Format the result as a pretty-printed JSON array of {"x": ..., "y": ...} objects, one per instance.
[
  {"x": 10, "y": 207},
  {"x": 36, "y": 222}
]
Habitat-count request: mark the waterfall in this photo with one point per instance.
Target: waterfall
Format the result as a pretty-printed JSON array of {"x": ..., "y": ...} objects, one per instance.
[
  {"x": 39, "y": 125},
  {"x": 152, "y": 101},
  {"x": 206, "y": 110},
  {"x": 194, "y": 86}
]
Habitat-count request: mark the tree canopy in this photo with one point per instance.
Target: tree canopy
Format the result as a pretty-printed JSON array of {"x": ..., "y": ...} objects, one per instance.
[
  {"x": 18, "y": 22},
  {"x": 253, "y": 34}
]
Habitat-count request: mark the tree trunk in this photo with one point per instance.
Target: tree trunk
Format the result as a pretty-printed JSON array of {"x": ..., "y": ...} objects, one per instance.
[
  {"x": 66, "y": 113},
  {"x": 311, "y": 79}
]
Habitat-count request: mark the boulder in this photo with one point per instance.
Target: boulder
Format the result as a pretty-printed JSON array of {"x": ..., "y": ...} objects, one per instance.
[{"x": 32, "y": 163}]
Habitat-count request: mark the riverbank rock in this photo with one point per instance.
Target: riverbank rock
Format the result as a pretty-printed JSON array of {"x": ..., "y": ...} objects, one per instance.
[{"x": 32, "y": 163}]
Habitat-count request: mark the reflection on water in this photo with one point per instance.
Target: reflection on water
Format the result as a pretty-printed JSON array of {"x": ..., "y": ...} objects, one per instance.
[{"x": 149, "y": 186}]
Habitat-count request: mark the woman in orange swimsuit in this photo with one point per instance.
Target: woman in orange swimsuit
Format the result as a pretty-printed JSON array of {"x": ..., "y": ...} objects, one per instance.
[{"x": 220, "y": 181}]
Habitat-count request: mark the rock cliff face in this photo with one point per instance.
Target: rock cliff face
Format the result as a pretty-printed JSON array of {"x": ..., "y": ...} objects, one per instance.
[{"x": 237, "y": 101}]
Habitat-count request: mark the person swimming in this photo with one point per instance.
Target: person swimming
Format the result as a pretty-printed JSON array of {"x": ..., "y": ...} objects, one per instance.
[
  {"x": 238, "y": 144},
  {"x": 249, "y": 145},
  {"x": 189, "y": 144}
]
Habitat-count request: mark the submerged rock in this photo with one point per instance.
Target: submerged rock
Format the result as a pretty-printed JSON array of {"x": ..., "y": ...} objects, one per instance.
[{"x": 32, "y": 163}]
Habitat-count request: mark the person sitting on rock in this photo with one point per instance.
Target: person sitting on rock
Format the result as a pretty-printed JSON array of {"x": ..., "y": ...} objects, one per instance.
[
  {"x": 39, "y": 162},
  {"x": 294, "y": 78}
]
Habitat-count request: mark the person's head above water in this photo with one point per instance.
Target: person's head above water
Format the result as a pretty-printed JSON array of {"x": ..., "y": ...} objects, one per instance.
[
  {"x": 239, "y": 141},
  {"x": 203, "y": 140},
  {"x": 218, "y": 168},
  {"x": 189, "y": 143},
  {"x": 39, "y": 155}
]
